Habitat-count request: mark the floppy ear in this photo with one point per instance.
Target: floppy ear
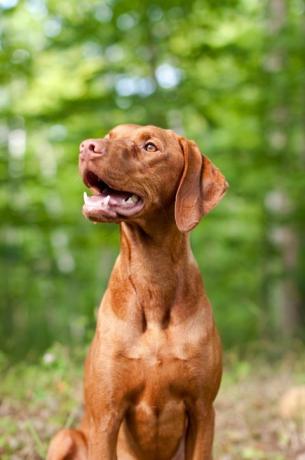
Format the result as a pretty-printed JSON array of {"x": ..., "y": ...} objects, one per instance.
[{"x": 201, "y": 187}]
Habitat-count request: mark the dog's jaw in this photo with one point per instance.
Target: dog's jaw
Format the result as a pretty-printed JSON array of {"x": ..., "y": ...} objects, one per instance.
[{"x": 108, "y": 204}]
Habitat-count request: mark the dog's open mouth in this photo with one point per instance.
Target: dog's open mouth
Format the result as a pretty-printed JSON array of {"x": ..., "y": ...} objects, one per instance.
[{"x": 107, "y": 202}]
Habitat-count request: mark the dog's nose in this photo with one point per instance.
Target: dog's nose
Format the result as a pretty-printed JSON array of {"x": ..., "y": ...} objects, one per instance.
[{"x": 92, "y": 146}]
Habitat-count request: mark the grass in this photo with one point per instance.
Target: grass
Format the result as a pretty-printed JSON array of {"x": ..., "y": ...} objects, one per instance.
[{"x": 37, "y": 399}]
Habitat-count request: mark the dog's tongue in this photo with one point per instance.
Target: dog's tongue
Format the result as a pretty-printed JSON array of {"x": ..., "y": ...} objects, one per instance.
[{"x": 108, "y": 200}]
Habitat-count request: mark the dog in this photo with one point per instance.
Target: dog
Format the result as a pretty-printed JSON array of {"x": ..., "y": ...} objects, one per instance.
[{"x": 154, "y": 367}]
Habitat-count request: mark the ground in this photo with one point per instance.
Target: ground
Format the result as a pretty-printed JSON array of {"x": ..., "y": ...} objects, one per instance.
[{"x": 258, "y": 415}]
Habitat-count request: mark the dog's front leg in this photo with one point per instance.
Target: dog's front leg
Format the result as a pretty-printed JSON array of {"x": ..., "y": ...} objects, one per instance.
[
  {"x": 103, "y": 436},
  {"x": 200, "y": 432}
]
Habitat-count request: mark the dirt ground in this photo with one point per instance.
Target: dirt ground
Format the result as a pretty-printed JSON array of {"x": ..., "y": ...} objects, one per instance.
[
  {"x": 261, "y": 412},
  {"x": 260, "y": 407}
]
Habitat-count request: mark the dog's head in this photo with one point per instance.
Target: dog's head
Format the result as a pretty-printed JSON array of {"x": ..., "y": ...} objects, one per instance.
[{"x": 136, "y": 171}]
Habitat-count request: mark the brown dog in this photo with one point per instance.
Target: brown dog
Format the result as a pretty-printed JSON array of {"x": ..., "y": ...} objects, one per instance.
[{"x": 154, "y": 367}]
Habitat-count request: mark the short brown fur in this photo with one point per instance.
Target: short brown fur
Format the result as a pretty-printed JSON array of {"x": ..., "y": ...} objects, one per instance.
[{"x": 154, "y": 367}]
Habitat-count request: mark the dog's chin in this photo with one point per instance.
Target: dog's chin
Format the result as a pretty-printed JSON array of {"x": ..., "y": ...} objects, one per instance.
[
  {"x": 107, "y": 204},
  {"x": 110, "y": 212}
]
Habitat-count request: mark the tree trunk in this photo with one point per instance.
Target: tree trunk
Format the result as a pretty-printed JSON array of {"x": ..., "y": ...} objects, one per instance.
[{"x": 281, "y": 231}]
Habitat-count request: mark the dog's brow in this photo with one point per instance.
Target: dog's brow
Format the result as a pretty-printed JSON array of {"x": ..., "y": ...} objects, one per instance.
[
  {"x": 145, "y": 135},
  {"x": 151, "y": 134}
]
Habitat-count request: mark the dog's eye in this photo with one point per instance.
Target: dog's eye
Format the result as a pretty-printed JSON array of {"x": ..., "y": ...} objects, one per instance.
[{"x": 150, "y": 147}]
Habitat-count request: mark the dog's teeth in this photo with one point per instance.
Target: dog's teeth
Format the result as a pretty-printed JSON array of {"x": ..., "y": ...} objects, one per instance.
[
  {"x": 86, "y": 198},
  {"x": 132, "y": 199},
  {"x": 106, "y": 201}
]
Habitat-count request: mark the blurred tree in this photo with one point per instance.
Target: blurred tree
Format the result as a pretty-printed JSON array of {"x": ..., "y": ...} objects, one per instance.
[
  {"x": 284, "y": 137},
  {"x": 229, "y": 75}
]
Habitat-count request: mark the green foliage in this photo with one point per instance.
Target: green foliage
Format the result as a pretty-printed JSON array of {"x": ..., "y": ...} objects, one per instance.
[
  {"x": 229, "y": 75},
  {"x": 38, "y": 398}
]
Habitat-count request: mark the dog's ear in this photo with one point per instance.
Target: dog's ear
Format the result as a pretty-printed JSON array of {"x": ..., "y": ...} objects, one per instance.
[{"x": 201, "y": 187}]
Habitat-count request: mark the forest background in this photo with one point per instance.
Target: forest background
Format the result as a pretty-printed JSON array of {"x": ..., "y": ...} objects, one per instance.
[{"x": 229, "y": 75}]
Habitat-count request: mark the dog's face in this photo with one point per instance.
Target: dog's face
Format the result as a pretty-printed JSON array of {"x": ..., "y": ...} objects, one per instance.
[
  {"x": 131, "y": 171},
  {"x": 136, "y": 171}
]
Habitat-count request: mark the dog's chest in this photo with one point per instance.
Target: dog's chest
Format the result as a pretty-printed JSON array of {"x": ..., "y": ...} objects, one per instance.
[
  {"x": 164, "y": 368},
  {"x": 159, "y": 346},
  {"x": 163, "y": 360}
]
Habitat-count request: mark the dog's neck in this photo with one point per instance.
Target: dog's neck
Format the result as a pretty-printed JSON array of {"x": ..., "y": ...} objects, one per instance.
[
  {"x": 163, "y": 241},
  {"x": 153, "y": 266}
]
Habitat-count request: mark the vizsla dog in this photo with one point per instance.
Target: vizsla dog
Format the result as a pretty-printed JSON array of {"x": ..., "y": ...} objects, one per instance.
[{"x": 154, "y": 367}]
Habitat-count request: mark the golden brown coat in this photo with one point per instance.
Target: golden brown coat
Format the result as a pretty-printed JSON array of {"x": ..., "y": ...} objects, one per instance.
[{"x": 154, "y": 367}]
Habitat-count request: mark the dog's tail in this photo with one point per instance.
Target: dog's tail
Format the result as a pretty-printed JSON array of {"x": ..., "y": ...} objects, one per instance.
[{"x": 68, "y": 444}]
